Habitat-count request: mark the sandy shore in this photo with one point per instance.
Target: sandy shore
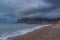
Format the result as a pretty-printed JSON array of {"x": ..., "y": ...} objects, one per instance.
[{"x": 46, "y": 33}]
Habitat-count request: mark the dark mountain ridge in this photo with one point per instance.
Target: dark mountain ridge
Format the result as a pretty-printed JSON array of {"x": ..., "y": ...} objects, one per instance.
[{"x": 37, "y": 20}]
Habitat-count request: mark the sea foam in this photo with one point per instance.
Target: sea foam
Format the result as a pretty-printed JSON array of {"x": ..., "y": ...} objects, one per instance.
[{"x": 20, "y": 32}]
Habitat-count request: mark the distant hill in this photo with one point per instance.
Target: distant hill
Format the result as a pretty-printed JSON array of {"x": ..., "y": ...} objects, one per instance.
[{"x": 37, "y": 20}]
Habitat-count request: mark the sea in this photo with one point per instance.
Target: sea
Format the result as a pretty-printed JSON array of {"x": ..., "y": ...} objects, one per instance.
[{"x": 11, "y": 30}]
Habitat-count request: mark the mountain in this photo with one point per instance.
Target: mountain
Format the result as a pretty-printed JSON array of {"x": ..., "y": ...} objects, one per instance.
[{"x": 37, "y": 20}]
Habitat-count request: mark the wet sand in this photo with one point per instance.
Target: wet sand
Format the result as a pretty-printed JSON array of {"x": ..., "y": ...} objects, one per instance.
[{"x": 45, "y": 33}]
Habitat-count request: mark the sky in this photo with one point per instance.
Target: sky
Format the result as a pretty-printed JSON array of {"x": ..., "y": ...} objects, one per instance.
[{"x": 12, "y": 10}]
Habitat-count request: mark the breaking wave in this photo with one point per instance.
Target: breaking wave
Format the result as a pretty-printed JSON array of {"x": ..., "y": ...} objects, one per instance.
[{"x": 20, "y": 32}]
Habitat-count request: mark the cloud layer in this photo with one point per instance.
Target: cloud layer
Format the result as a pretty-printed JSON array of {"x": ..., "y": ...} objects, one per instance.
[{"x": 13, "y": 9}]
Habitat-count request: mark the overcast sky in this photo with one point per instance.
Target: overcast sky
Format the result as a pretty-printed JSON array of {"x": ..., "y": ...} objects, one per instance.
[{"x": 11, "y": 10}]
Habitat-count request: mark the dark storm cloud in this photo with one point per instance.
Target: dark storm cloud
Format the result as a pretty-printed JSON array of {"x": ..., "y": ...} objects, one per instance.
[
  {"x": 31, "y": 8},
  {"x": 55, "y": 3},
  {"x": 38, "y": 10},
  {"x": 49, "y": 12}
]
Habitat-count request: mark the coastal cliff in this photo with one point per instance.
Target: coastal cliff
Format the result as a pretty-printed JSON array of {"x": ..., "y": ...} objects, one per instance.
[{"x": 37, "y": 20}]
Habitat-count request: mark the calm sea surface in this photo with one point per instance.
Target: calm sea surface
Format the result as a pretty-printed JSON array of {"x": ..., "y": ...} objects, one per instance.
[{"x": 14, "y": 27}]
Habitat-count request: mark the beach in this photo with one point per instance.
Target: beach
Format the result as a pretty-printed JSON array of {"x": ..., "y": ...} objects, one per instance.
[{"x": 46, "y": 33}]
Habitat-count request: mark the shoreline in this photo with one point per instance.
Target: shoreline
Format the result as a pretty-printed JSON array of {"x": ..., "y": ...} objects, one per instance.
[{"x": 21, "y": 36}]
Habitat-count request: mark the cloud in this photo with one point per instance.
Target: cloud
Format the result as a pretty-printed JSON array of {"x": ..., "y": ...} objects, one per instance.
[
  {"x": 30, "y": 8},
  {"x": 50, "y": 12},
  {"x": 24, "y": 5}
]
